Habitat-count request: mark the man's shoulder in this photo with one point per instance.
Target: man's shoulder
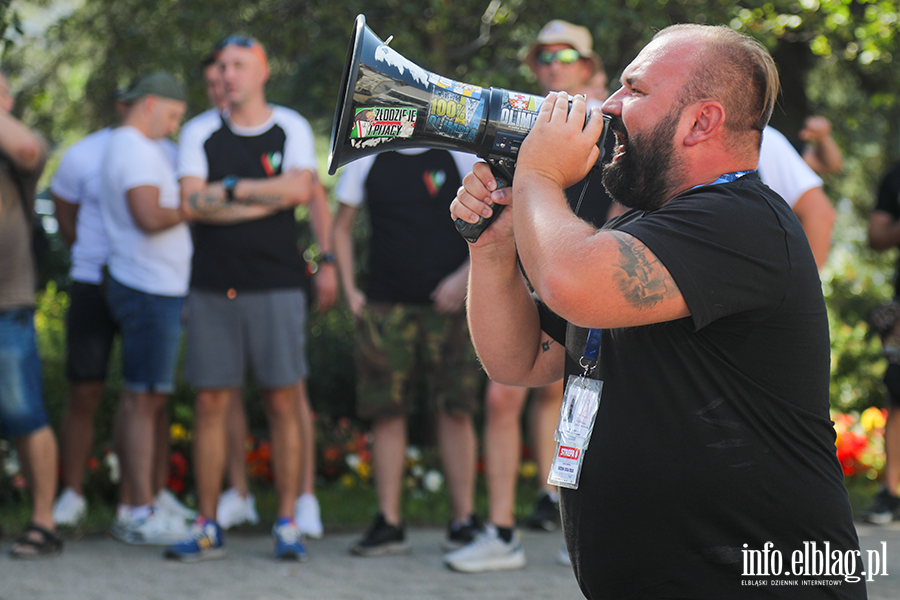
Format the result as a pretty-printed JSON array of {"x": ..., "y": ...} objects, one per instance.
[
  {"x": 201, "y": 126},
  {"x": 95, "y": 141},
  {"x": 288, "y": 118}
]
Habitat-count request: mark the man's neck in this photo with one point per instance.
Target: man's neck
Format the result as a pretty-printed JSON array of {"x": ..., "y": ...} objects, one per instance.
[
  {"x": 142, "y": 125},
  {"x": 252, "y": 113}
]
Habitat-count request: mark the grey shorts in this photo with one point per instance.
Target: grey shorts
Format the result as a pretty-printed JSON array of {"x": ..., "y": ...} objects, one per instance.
[{"x": 263, "y": 330}]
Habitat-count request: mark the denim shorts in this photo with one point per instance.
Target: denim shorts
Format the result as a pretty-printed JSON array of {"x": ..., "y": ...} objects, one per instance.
[
  {"x": 21, "y": 391},
  {"x": 150, "y": 325}
]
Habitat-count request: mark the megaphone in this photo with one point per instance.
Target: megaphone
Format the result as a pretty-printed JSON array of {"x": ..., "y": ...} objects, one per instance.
[{"x": 388, "y": 102}]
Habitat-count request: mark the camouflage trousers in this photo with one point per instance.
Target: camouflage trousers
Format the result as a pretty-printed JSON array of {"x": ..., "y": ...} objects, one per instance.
[{"x": 404, "y": 348}]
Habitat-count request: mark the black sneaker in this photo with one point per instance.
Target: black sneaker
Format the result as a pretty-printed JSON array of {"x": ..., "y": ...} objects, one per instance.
[
  {"x": 545, "y": 514},
  {"x": 462, "y": 535},
  {"x": 382, "y": 539},
  {"x": 883, "y": 508}
]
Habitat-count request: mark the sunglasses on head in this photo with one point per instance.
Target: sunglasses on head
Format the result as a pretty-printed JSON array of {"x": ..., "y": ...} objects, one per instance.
[
  {"x": 236, "y": 40},
  {"x": 566, "y": 57}
]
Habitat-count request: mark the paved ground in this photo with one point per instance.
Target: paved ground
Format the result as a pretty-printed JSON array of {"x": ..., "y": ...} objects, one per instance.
[{"x": 100, "y": 568}]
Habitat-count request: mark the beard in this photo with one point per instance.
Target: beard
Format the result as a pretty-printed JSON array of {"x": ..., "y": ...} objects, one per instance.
[{"x": 642, "y": 176}]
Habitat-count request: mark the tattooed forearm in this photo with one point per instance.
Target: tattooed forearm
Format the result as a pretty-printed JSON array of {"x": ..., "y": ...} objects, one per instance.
[
  {"x": 205, "y": 203},
  {"x": 271, "y": 200},
  {"x": 546, "y": 345},
  {"x": 642, "y": 279},
  {"x": 212, "y": 207}
]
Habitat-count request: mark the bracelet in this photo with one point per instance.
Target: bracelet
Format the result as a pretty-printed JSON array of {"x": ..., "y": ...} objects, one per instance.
[{"x": 327, "y": 258}]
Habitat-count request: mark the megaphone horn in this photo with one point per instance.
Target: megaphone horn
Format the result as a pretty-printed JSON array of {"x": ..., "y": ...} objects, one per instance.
[{"x": 388, "y": 102}]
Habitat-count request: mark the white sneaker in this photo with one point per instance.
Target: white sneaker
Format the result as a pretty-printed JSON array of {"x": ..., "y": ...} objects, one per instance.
[
  {"x": 70, "y": 508},
  {"x": 122, "y": 524},
  {"x": 488, "y": 552},
  {"x": 233, "y": 509},
  {"x": 166, "y": 502},
  {"x": 307, "y": 516},
  {"x": 159, "y": 529}
]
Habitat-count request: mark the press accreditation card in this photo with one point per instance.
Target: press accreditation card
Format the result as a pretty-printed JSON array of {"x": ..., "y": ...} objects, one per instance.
[{"x": 573, "y": 433}]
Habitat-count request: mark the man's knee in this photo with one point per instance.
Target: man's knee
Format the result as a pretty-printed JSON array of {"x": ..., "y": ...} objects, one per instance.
[
  {"x": 211, "y": 404},
  {"x": 504, "y": 401},
  {"x": 281, "y": 403}
]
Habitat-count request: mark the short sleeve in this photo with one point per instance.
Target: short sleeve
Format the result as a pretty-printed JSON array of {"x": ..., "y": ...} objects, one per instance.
[
  {"x": 300, "y": 144},
  {"x": 66, "y": 183},
  {"x": 783, "y": 169},
  {"x": 192, "y": 161},
  {"x": 351, "y": 186},
  {"x": 889, "y": 193},
  {"x": 729, "y": 248}
]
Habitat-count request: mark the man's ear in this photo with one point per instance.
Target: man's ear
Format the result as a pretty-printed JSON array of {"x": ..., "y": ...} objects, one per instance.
[{"x": 708, "y": 120}]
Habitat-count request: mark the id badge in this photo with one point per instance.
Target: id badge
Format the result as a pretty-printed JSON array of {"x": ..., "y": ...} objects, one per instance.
[{"x": 573, "y": 432}]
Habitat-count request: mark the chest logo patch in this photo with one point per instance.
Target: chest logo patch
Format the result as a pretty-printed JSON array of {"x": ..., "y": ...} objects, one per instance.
[
  {"x": 271, "y": 162},
  {"x": 434, "y": 181}
]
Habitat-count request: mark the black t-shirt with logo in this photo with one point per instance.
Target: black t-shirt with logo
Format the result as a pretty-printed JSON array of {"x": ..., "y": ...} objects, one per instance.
[
  {"x": 413, "y": 243},
  {"x": 258, "y": 255}
]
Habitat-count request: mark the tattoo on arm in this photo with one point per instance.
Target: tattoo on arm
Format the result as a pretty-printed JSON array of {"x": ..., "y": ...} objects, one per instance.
[
  {"x": 212, "y": 207},
  {"x": 546, "y": 344},
  {"x": 642, "y": 279},
  {"x": 270, "y": 200}
]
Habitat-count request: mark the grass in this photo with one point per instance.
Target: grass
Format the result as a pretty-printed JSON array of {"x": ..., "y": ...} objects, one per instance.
[
  {"x": 343, "y": 508},
  {"x": 353, "y": 508}
]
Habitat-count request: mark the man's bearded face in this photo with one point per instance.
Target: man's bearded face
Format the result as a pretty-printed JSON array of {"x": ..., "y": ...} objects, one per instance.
[{"x": 644, "y": 165}]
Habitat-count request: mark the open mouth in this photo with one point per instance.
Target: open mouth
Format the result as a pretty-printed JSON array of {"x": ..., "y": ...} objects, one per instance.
[{"x": 621, "y": 141}]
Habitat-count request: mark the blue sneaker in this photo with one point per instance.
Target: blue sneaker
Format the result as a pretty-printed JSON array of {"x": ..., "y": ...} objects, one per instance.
[
  {"x": 206, "y": 542},
  {"x": 289, "y": 541}
]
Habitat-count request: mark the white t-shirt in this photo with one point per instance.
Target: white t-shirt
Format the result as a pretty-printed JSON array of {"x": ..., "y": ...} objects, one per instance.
[
  {"x": 351, "y": 187},
  {"x": 77, "y": 181},
  {"x": 783, "y": 169},
  {"x": 299, "y": 145},
  {"x": 155, "y": 263}
]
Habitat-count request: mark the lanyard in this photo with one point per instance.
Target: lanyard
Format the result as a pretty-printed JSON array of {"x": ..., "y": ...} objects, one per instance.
[
  {"x": 591, "y": 355},
  {"x": 726, "y": 178}
]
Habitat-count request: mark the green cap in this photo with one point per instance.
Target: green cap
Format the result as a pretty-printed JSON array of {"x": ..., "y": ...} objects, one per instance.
[{"x": 160, "y": 84}]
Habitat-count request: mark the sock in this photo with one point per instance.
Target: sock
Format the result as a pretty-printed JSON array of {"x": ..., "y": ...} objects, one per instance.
[
  {"x": 123, "y": 512},
  {"x": 283, "y": 521},
  {"x": 505, "y": 533},
  {"x": 457, "y": 525},
  {"x": 139, "y": 513}
]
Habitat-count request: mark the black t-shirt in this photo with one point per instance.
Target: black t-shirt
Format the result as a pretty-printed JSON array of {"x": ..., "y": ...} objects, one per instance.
[
  {"x": 258, "y": 255},
  {"x": 713, "y": 430},
  {"x": 889, "y": 202},
  {"x": 413, "y": 243}
]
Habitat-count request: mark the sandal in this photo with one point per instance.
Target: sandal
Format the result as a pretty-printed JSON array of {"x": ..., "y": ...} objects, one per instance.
[{"x": 48, "y": 543}]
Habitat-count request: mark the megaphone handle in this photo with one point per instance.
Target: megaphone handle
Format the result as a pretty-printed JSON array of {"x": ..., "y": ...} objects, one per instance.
[{"x": 472, "y": 231}]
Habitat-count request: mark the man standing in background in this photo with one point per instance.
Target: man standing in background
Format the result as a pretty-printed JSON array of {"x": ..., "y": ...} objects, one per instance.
[
  {"x": 562, "y": 59},
  {"x": 149, "y": 269},
  {"x": 240, "y": 179},
  {"x": 90, "y": 329},
  {"x": 411, "y": 320},
  {"x": 22, "y": 414}
]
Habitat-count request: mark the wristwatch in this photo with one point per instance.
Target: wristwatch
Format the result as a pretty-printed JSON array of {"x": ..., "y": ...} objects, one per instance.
[{"x": 229, "y": 183}]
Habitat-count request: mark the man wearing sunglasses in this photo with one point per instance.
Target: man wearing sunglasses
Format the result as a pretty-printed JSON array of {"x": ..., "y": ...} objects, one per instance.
[
  {"x": 241, "y": 178},
  {"x": 562, "y": 59}
]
